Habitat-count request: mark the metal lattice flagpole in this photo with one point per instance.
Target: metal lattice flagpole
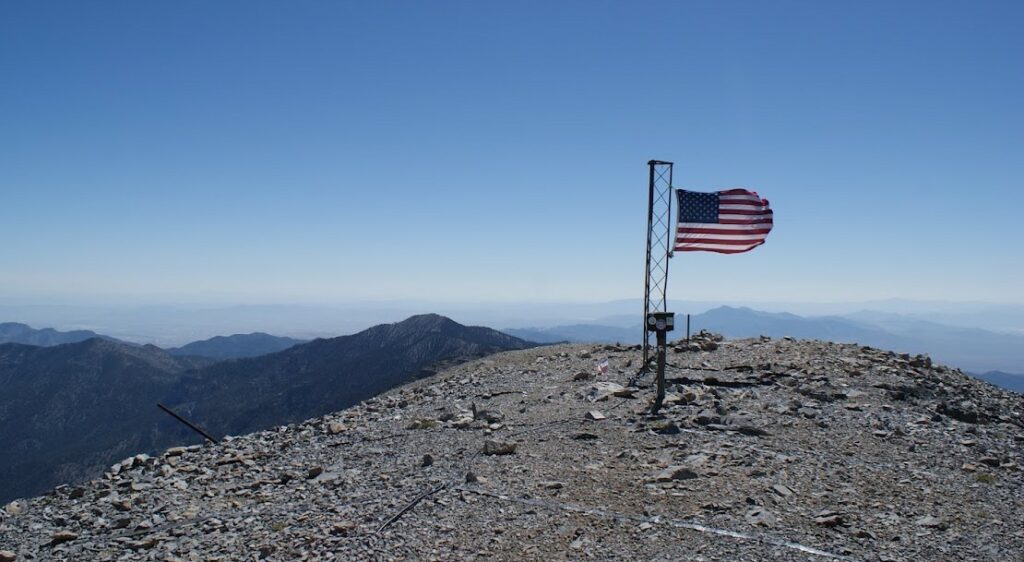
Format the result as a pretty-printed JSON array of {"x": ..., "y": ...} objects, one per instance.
[{"x": 659, "y": 247}]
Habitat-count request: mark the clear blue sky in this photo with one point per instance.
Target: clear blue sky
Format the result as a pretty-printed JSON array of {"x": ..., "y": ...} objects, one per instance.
[{"x": 331, "y": 151}]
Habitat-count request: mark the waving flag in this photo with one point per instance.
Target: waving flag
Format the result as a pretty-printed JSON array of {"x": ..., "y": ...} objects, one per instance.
[{"x": 727, "y": 222}]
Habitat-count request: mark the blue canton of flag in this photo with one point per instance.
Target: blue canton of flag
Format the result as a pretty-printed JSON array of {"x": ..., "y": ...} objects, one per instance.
[{"x": 698, "y": 207}]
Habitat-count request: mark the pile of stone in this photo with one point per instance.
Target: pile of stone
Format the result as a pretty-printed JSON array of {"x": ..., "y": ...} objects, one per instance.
[{"x": 701, "y": 341}]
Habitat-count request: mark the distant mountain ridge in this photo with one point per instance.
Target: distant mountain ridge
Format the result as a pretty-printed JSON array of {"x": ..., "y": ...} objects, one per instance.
[
  {"x": 15, "y": 332},
  {"x": 68, "y": 411},
  {"x": 218, "y": 347},
  {"x": 236, "y": 346},
  {"x": 579, "y": 333},
  {"x": 971, "y": 349},
  {"x": 1010, "y": 381},
  {"x": 325, "y": 374}
]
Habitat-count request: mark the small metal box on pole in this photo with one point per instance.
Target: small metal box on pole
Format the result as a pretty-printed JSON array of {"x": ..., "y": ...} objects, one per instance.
[{"x": 661, "y": 323}]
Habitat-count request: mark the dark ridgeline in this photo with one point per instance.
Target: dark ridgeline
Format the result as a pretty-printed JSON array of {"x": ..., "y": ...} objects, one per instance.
[
  {"x": 13, "y": 332},
  {"x": 329, "y": 374},
  {"x": 70, "y": 411},
  {"x": 235, "y": 347}
]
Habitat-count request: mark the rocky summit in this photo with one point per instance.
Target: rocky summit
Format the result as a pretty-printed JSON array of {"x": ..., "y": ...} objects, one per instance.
[{"x": 764, "y": 450}]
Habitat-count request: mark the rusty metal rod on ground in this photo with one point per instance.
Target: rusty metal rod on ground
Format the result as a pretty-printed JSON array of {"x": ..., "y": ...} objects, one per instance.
[{"x": 191, "y": 425}]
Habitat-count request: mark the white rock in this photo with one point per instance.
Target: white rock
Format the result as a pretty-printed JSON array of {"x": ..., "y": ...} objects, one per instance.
[
  {"x": 603, "y": 390},
  {"x": 760, "y": 516}
]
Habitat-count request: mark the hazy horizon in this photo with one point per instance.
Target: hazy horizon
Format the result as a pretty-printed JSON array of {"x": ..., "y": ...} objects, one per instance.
[{"x": 176, "y": 324}]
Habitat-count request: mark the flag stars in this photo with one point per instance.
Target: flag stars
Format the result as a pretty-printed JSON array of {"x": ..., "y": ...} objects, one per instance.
[{"x": 697, "y": 207}]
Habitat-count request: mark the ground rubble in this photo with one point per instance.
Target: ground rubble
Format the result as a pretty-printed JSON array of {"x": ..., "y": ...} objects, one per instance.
[{"x": 765, "y": 449}]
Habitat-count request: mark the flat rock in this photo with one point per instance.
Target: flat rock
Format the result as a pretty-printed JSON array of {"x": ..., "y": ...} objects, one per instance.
[
  {"x": 706, "y": 417},
  {"x": 603, "y": 390},
  {"x": 495, "y": 447},
  {"x": 666, "y": 428},
  {"x": 782, "y": 491},
  {"x": 424, "y": 423},
  {"x": 760, "y": 516},
  {"x": 675, "y": 473},
  {"x": 62, "y": 537},
  {"x": 828, "y": 519},
  {"x": 930, "y": 521},
  {"x": 343, "y": 528},
  {"x": 809, "y": 412},
  {"x": 143, "y": 544}
]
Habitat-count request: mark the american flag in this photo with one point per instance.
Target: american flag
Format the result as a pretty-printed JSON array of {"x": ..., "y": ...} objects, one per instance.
[{"x": 727, "y": 222}]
